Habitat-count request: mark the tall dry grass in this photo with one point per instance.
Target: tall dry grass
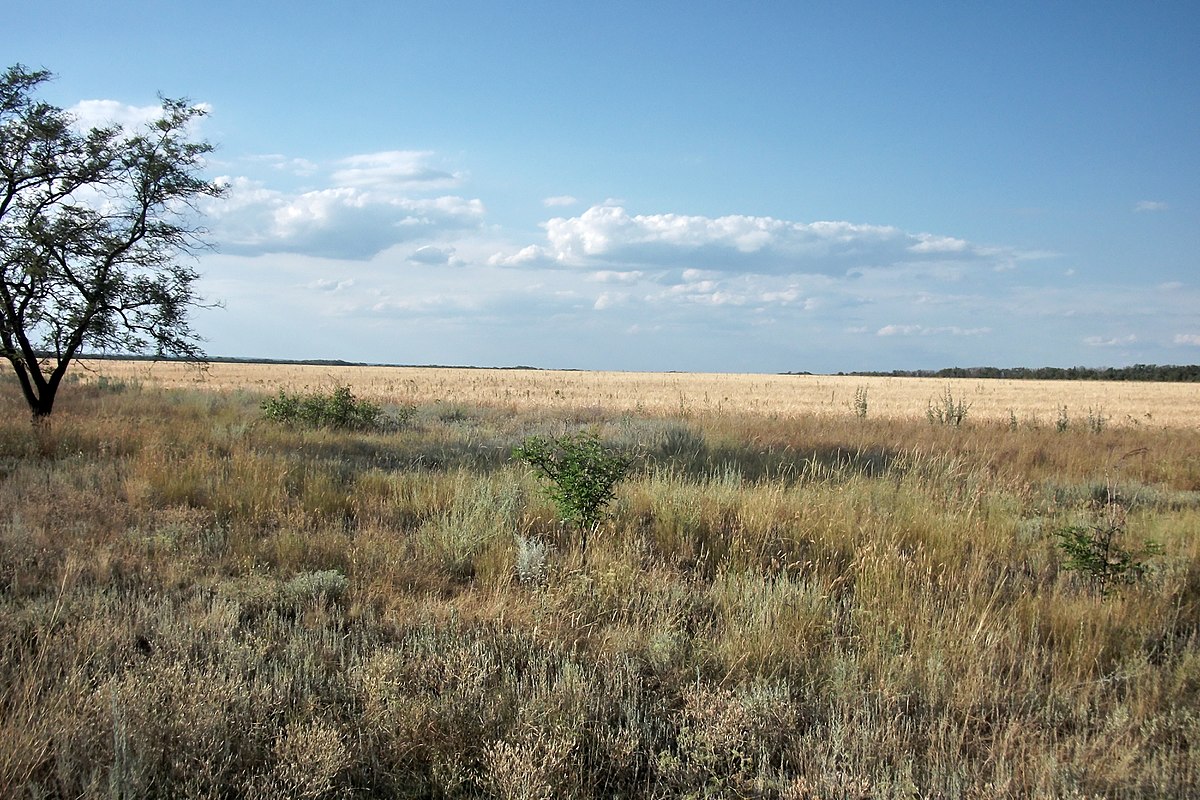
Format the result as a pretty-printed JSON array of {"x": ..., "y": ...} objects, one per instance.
[{"x": 195, "y": 603}]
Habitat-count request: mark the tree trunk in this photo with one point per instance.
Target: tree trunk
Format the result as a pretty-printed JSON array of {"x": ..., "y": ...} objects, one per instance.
[
  {"x": 39, "y": 393},
  {"x": 41, "y": 407}
]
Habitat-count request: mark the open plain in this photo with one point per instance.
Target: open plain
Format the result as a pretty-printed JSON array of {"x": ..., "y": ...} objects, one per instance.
[
  {"x": 1175, "y": 405},
  {"x": 805, "y": 587}
]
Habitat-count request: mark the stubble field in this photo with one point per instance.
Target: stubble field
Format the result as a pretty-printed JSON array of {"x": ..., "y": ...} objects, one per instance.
[{"x": 807, "y": 587}]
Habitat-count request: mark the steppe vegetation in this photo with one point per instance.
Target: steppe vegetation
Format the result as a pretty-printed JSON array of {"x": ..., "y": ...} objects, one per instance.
[{"x": 787, "y": 597}]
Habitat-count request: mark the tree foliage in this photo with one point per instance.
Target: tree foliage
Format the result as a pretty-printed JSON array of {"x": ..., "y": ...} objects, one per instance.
[{"x": 92, "y": 228}]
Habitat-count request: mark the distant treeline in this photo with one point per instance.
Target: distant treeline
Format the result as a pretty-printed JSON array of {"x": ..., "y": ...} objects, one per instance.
[{"x": 1138, "y": 372}]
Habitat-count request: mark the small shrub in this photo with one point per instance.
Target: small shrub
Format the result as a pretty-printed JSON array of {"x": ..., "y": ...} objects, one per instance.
[
  {"x": 1096, "y": 551},
  {"x": 579, "y": 475},
  {"x": 322, "y": 585},
  {"x": 1063, "y": 422},
  {"x": 1096, "y": 420},
  {"x": 338, "y": 409}
]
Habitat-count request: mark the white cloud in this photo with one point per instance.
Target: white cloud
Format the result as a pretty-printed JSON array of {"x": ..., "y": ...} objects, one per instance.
[
  {"x": 529, "y": 256},
  {"x": 614, "y": 276},
  {"x": 559, "y": 201},
  {"x": 1188, "y": 338},
  {"x": 923, "y": 330},
  {"x": 295, "y": 166},
  {"x": 98, "y": 113},
  {"x": 898, "y": 330},
  {"x": 1151, "y": 205},
  {"x": 329, "y": 285},
  {"x": 927, "y": 243},
  {"x": 422, "y": 305},
  {"x": 434, "y": 256},
  {"x": 1107, "y": 341},
  {"x": 610, "y": 300},
  {"x": 607, "y": 237},
  {"x": 88, "y": 114},
  {"x": 337, "y": 222},
  {"x": 393, "y": 170}
]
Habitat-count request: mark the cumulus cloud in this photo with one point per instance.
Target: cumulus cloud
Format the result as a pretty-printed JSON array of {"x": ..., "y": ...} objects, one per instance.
[
  {"x": 1192, "y": 339},
  {"x": 608, "y": 237},
  {"x": 1151, "y": 205},
  {"x": 529, "y": 256},
  {"x": 369, "y": 211},
  {"x": 99, "y": 113}
]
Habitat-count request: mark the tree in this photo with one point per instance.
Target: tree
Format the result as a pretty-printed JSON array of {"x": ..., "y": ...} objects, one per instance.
[
  {"x": 579, "y": 474},
  {"x": 92, "y": 228}
]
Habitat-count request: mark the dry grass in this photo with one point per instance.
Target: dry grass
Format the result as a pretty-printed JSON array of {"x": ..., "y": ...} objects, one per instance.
[
  {"x": 195, "y": 602},
  {"x": 1031, "y": 402}
]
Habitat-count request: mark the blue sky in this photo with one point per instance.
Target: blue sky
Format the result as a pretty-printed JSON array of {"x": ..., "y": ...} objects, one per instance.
[{"x": 751, "y": 187}]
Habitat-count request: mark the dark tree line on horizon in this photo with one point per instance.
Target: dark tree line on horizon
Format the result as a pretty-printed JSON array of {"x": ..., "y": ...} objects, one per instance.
[{"x": 1167, "y": 373}]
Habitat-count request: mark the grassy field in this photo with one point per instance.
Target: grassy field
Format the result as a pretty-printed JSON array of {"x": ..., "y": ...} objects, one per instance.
[
  {"x": 1033, "y": 403},
  {"x": 795, "y": 596}
]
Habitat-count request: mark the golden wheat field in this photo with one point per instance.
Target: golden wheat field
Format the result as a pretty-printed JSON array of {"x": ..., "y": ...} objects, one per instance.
[{"x": 1174, "y": 405}]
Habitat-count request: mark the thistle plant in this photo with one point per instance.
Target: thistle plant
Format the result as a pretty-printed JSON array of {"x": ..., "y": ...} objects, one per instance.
[
  {"x": 860, "y": 402},
  {"x": 948, "y": 410}
]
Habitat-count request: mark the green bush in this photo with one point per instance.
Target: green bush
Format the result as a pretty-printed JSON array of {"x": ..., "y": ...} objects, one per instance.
[
  {"x": 579, "y": 474},
  {"x": 338, "y": 409},
  {"x": 1096, "y": 550}
]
